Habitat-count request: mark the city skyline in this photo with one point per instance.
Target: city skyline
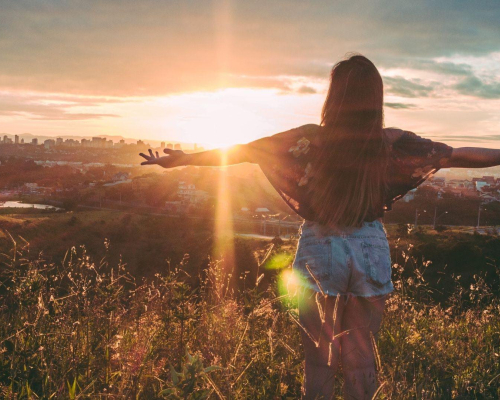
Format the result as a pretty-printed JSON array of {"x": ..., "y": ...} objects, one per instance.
[{"x": 29, "y": 138}]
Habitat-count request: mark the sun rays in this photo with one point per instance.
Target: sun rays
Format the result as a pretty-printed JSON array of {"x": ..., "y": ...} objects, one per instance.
[{"x": 224, "y": 230}]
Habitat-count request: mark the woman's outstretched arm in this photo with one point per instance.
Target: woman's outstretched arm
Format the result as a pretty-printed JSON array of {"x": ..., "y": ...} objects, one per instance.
[
  {"x": 472, "y": 157},
  {"x": 259, "y": 151},
  {"x": 211, "y": 158}
]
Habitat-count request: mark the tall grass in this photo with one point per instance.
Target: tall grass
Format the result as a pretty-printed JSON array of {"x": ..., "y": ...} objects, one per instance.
[{"x": 86, "y": 329}]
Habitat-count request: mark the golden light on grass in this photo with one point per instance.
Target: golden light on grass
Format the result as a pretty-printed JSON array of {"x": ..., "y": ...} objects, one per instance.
[{"x": 224, "y": 232}]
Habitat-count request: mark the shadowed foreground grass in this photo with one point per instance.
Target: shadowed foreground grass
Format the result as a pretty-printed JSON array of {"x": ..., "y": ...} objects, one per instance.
[{"x": 85, "y": 329}]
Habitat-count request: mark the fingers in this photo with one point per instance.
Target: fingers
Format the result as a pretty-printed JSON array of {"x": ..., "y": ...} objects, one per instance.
[
  {"x": 168, "y": 151},
  {"x": 151, "y": 153},
  {"x": 145, "y": 156},
  {"x": 157, "y": 155}
]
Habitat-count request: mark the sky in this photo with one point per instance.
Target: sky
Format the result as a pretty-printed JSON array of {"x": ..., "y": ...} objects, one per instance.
[{"x": 231, "y": 71}]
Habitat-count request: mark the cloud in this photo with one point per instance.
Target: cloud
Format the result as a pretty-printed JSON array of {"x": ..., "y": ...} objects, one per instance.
[
  {"x": 403, "y": 87},
  {"x": 470, "y": 138},
  {"x": 37, "y": 107},
  {"x": 157, "y": 47},
  {"x": 443, "y": 67},
  {"x": 473, "y": 86},
  {"x": 400, "y": 106},
  {"x": 306, "y": 90}
]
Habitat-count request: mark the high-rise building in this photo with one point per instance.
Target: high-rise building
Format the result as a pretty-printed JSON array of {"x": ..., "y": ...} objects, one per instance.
[
  {"x": 59, "y": 141},
  {"x": 170, "y": 146},
  {"x": 16, "y": 139},
  {"x": 22, "y": 141},
  {"x": 98, "y": 142},
  {"x": 162, "y": 145},
  {"x": 177, "y": 146},
  {"x": 49, "y": 143},
  {"x": 71, "y": 142},
  {"x": 34, "y": 141}
]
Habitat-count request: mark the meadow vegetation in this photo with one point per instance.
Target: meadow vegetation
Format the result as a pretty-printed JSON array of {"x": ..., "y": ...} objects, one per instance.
[{"x": 85, "y": 327}]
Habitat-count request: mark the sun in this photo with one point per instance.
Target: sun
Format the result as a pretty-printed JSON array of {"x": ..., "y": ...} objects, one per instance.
[{"x": 226, "y": 118}]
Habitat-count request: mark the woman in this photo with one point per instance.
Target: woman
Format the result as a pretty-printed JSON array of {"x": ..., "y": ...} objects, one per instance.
[{"x": 341, "y": 176}]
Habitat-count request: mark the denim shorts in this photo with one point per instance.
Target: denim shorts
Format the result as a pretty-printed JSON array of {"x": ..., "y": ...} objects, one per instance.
[{"x": 354, "y": 261}]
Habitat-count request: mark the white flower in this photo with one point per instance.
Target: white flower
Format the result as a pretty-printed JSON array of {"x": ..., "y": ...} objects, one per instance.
[
  {"x": 419, "y": 172},
  {"x": 303, "y": 181},
  {"x": 302, "y": 147}
]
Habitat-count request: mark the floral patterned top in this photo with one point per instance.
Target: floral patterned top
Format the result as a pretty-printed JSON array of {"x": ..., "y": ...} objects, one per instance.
[{"x": 287, "y": 160}]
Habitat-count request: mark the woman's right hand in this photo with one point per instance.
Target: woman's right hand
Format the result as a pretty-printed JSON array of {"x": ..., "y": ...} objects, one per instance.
[{"x": 175, "y": 158}]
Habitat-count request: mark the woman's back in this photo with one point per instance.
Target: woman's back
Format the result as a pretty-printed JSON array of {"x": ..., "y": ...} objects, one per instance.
[{"x": 288, "y": 161}]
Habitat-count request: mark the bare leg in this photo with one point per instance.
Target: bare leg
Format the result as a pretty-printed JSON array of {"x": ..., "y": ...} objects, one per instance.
[
  {"x": 361, "y": 316},
  {"x": 321, "y": 354}
]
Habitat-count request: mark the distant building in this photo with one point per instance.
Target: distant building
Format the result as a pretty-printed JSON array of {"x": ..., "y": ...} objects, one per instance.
[
  {"x": 177, "y": 146},
  {"x": 98, "y": 142},
  {"x": 120, "y": 176},
  {"x": 49, "y": 143},
  {"x": 31, "y": 187},
  {"x": 170, "y": 146},
  {"x": 262, "y": 210},
  {"x": 71, "y": 142},
  {"x": 480, "y": 184},
  {"x": 188, "y": 194},
  {"x": 487, "y": 198},
  {"x": 488, "y": 179},
  {"x": 34, "y": 141},
  {"x": 140, "y": 143},
  {"x": 438, "y": 181},
  {"x": 22, "y": 141},
  {"x": 59, "y": 141},
  {"x": 162, "y": 145},
  {"x": 457, "y": 192},
  {"x": 16, "y": 139}
]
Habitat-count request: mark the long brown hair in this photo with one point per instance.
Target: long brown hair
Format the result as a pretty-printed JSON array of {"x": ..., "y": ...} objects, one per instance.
[{"x": 350, "y": 170}]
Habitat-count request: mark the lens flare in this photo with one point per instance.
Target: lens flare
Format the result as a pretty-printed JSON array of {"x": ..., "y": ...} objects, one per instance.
[
  {"x": 288, "y": 286},
  {"x": 278, "y": 261}
]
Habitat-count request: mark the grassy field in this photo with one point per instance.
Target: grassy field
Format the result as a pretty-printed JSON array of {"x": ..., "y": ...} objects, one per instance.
[
  {"x": 147, "y": 243},
  {"x": 87, "y": 326}
]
